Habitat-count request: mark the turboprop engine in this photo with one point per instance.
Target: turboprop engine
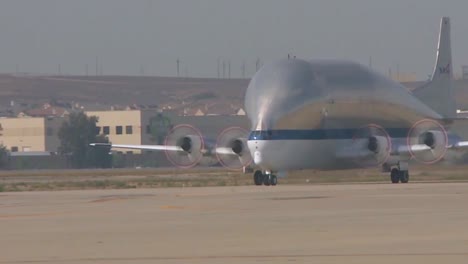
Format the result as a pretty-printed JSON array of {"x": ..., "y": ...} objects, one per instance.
[
  {"x": 371, "y": 146},
  {"x": 432, "y": 139},
  {"x": 378, "y": 145},
  {"x": 191, "y": 144},
  {"x": 231, "y": 148},
  {"x": 427, "y": 141}
]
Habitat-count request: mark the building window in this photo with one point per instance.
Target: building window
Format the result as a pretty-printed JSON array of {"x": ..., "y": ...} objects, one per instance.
[
  {"x": 14, "y": 149},
  {"x": 26, "y": 149},
  {"x": 128, "y": 130},
  {"x": 106, "y": 130},
  {"x": 98, "y": 130},
  {"x": 148, "y": 129},
  {"x": 118, "y": 130}
]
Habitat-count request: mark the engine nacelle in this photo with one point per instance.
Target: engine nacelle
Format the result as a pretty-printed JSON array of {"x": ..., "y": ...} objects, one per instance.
[
  {"x": 190, "y": 140},
  {"x": 371, "y": 146},
  {"x": 429, "y": 133},
  {"x": 379, "y": 145},
  {"x": 190, "y": 143},
  {"x": 433, "y": 139},
  {"x": 231, "y": 148}
]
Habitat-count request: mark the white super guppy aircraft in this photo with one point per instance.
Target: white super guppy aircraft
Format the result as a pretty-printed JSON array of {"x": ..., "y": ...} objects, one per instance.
[{"x": 330, "y": 115}]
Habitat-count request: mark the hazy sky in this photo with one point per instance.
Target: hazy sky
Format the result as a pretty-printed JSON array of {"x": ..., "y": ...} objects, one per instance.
[{"x": 128, "y": 35}]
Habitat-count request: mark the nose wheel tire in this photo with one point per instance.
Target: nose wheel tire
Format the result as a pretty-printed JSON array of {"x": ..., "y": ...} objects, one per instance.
[
  {"x": 258, "y": 178},
  {"x": 397, "y": 176},
  {"x": 265, "y": 179},
  {"x": 404, "y": 176},
  {"x": 273, "y": 180}
]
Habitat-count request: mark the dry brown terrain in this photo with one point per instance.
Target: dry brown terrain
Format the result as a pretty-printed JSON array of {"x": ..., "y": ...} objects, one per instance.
[
  {"x": 123, "y": 90},
  {"x": 46, "y": 180},
  {"x": 127, "y": 90}
]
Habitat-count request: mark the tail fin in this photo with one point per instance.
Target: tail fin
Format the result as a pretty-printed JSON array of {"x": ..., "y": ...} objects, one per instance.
[{"x": 438, "y": 92}]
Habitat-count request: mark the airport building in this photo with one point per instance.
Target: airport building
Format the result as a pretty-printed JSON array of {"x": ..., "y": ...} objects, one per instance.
[
  {"x": 30, "y": 134},
  {"x": 121, "y": 127},
  {"x": 147, "y": 127}
]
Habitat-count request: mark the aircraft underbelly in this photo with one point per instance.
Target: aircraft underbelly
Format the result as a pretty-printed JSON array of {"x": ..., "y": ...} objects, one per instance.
[{"x": 281, "y": 155}]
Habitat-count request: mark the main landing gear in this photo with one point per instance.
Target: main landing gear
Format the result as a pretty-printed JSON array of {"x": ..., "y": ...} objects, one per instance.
[
  {"x": 266, "y": 179},
  {"x": 400, "y": 174}
]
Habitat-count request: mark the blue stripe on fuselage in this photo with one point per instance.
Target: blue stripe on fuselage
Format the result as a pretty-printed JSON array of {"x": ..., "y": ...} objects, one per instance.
[{"x": 319, "y": 134}]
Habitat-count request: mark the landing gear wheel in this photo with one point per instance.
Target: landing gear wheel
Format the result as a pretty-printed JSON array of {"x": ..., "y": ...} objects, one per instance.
[
  {"x": 258, "y": 178},
  {"x": 395, "y": 175},
  {"x": 267, "y": 180},
  {"x": 273, "y": 180},
  {"x": 404, "y": 176}
]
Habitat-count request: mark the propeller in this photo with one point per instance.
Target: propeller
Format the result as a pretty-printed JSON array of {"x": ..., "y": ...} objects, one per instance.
[
  {"x": 232, "y": 151},
  {"x": 372, "y": 145},
  {"x": 190, "y": 141},
  {"x": 427, "y": 141}
]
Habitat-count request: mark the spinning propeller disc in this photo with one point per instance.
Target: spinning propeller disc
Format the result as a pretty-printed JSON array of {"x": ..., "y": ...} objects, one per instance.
[
  {"x": 188, "y": 138},
  {"x": 414, "y": 138},
  {"x": 233, "y": 138},
  {"x": 371, "y": 132}
]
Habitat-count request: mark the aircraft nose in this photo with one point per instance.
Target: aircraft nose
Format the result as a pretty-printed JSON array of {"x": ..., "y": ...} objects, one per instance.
[{"x": 258, "y": 159}]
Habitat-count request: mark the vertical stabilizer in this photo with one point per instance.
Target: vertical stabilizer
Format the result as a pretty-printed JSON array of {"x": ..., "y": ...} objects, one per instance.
[{"x": 438, "y": 92}]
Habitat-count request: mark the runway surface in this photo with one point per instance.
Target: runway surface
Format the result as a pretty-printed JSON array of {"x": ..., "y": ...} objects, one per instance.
[{"x": 370, "y": 223}]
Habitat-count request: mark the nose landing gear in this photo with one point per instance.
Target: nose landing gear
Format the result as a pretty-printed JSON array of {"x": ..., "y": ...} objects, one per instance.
[
  {"x": 400, "y": 174},
  {"x": 266, "y": 179}
]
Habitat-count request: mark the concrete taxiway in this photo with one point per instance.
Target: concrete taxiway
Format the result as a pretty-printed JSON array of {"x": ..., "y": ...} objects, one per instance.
[{"x": 369, "y": 223}]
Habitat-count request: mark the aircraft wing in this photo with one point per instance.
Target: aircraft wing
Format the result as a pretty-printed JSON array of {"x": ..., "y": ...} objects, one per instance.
[
  {"x": 418, "y": 148},
  {"x": 224, "y": 151},
  {"x": 462, "y": 145},
  {"x": 139, "y": 147},
  {"x": 186, "y": 147}
]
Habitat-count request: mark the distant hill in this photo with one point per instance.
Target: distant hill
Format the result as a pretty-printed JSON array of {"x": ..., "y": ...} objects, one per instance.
[
  {"x": 110, "y": 90},
  {"x": 128, "y": 90}
]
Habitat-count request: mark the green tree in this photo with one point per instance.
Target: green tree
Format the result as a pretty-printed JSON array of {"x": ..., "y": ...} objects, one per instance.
[
  {"x": 160, "y": 126},
  {"x": 76, "y": 134},
  {"x": 4, "y": 157}
]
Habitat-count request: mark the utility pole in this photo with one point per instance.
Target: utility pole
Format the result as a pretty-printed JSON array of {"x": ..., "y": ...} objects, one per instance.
[
  {"x": 97, "y": 65},
  {"x": 398, "y": 72},
  {"x": 257, "y": 64},
  {"x": 229, "y": 69},
  {"x": 178, "y": 67},
  {"x": 243, "y": 69},
  {"x": 218, "y": 65},
  {"x": 224, "y": 69}
]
